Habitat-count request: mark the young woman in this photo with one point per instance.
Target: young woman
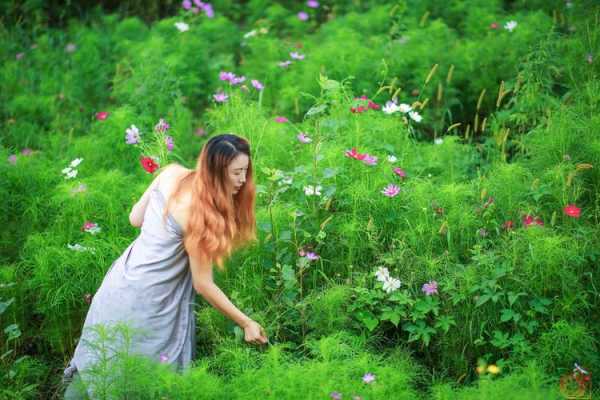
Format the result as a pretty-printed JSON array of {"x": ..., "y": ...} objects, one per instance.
[{"x": 189, "y": 220}]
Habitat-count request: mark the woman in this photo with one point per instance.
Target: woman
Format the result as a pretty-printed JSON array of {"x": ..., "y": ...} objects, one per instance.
[{"x": 189, "y": 220}]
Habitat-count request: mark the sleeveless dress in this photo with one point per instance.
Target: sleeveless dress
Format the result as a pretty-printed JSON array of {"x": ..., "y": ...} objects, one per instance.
[{"x": 150, "y": 287}]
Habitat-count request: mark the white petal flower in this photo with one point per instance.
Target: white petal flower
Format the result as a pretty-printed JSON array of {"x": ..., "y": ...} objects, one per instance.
[
  {"x": 382, "y": 274},
  {"x": 391, "y": 158},
  {"x": 71, "y": 174},
  {"x": 438, "y": 140},
  {"x": 66, "y": 170},
  {"x": 76, "y": 162},
  {"x": 415, "y": 116},
  {"x": 250, "y": 34},
  {"x": 311, "y": 190},
  {"x": 510, "y": 25},
  {"x": 404, "y": 108},
  {"x": 391, "y": 284},
  {"x": 182, "y": 26},
  {"x": 390, "y": 107}
]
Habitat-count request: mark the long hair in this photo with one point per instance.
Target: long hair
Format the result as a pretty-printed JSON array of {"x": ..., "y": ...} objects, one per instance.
[{"x": 219, "y": 221}]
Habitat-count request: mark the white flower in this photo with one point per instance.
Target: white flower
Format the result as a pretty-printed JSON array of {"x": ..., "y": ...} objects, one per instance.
[
  {"x": 391, "y": 284},
  {"x": 404, "y": 108},
  {"x": 94, "y": 229},
  {"x": 391, "y": 158},
  {"x": 71, "y": 174},
  {"x": 510, "y": 25},
  {"x": 390, "y": 107},
  {"x": 382, "y": 274},
  {"x": 287, "y": 181},
  {"x": 78, "y": 247},
  {"x": 415, "y": 116},
  {"x": 66, "y": 170},
  {"x": 182, "y": 26},
  {"x": 250, "y": 34},
  {"x": 133, "y": 130},
  {"x": 438, "y": 140},
  {"x": 76, "y": 162},
  {"x": 312, "y": 190}
]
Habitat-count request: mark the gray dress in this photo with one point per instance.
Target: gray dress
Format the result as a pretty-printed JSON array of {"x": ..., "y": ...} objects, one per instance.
[{"x": 150, "y": 287}]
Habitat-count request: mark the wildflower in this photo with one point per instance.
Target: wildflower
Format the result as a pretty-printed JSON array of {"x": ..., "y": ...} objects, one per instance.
[
  {"x": 430, "y": 288},
  {"x": 169, "y": 142},
  {"x": 208, "y": 10},
  {"x": 186, "y": 4},
  {"x": 335, "y": 395},
  {"x": 508, "y": 225},
  {"x": 390, "y": 107},
  {"x": 572, "y": 210},
  {"x": 79, "y": 189},
  {"x": 589, "y": 58},
  {"x": 149, "y": 164},
  {"x": 373, "y": 106},
  {"x": 312, "y": 3},
  {"x": 391, "y": 158},
  {"x": 358, "y": 109},
  {"x": 494, "y": 25},
  {"x": 400, "y": 172},
  {"x": 281, "y": 120},
  {"x": 257, "y": 85},
  {"x": 482, "y": 232},
  {"x": 438, "y": 140},
  {"x": 368, "y": 377},
  {"x": 284, "y": 64},
  {"x": 161, "y": 126},
  {"x": 493, "y": 369},
  {"x": 164, "y": 358},
  {"x": 370, "y": 160},
  {"x": 70, "y": 47},
  {"x": 312, "y": 256},
  {"x": 226, "y": 76},
  {"x": 91, "y": 227},
  {"x": 12, "y": 159},
  {"x": 237, "y": 79},
  {"x": 18, "y": 56},
  {"x": 391, "y": 284},
  {"x": 76, "y": 162},
  {"x": 182, "y": 26},
  {"x": 77, "y": 247},
  {"x": 200, "y": 132},
  {"x": 510, "y": 25},
  {"x": 69, "y": 173},
  {"x": 404, "y": 108},
  {"x": 415, "y": 116},
  {"x": 26, "y": 151},
  {"x": 303, "y": 138},
  {"x": 382, "y": 274},
  {"x": 529, "y": 220},
  {"x": 296, "y": 56},
  {"x": 102, "y": 115},
  {"x": 354, "y": 154},
  {"x": 220, "y": 97},
  {"x": 132, "y": 135},
  {"x": 302, "y": 16},
  {"x": 250, "y": 34},
  {"x": 391, "y": 190},
  {"x": 311, "y": 190}
]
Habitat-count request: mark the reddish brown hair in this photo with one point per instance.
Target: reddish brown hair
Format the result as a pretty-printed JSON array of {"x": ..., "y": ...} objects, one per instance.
[{"x": 219, "y": 221}]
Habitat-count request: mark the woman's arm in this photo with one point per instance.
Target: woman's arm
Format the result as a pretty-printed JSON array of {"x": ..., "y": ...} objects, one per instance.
[{"x": 136, "y": 216}]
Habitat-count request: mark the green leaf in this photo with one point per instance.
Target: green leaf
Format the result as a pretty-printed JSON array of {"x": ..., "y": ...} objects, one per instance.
[{"x": 368, "y": 319}]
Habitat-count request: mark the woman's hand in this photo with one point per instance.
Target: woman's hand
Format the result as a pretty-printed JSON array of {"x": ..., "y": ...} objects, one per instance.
[{"x": 254, "y": 333}]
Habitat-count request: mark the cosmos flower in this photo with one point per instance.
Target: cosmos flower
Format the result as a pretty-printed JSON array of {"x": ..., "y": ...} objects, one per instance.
[
  {"x": 257, "y": 85},
  {"x": 382, "y": 274},
  {"x": 132, "y": 135},
  {"x": 302, "y": 16},
  {"x": 220, "y": 97},
  {"x": 415, "y": 116},
  {"x": 391, "y": 284},
  {"x": 400, "y": 172},
  {"x": 368, "y": 377},
  {"x": 430, "y": 288},
  {"x": 303, "y": 138},
  {"x": 182, "y": 26},
  {"x": 149, "y": 164},
  {"x": 572, "y": 210},
  {"x": 510, "y": 25},
  {"x": 102, "y": 115},
  {"x": 312, "y": 3},
  {"x": 391, "y": 190},
  {"x": 281, "y": 120}
]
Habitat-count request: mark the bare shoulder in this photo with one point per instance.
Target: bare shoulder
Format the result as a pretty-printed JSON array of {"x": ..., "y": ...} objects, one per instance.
[{"x": 179, "y": 207}]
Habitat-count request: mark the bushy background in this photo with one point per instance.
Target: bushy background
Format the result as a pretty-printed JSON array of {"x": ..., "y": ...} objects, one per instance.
[{"x": 509, "y": 129}]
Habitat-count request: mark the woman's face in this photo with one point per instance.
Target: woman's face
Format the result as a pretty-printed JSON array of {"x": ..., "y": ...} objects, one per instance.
[{"x": 236, "y": 172}]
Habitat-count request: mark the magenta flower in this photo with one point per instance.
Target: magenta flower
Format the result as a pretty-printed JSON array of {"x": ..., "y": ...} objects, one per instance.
[
  {"x": 312, "y": 256},
  {"x": 101, "y": 115},
  {"x": 237, "y": 79},
  {"x": 169, "y": 142},
  {"x": 161, "y": 126},
  {"x": 257, "y": 85},
  {"x": 303, "y": 138},
  {"x": 302, "y": 16},
  {"x": 368, "y": 377},
  {"x": 284, "y": 64},
  {"x": 281, "y": 120},
  {"x": 296, "y": 56},
  {"x": 220, "y": 97},
  {"x": 430, "y": 288},
  {"x": 312, "y": 3},
  {"x": 186, "y": 4},
  {"x": 12, "y": 159},
  {"x": 226, "y": 76},
  {"x": 370, "y": 160},
  {"x": 391, "y": 190},
  {"x": 208, "y": 10},
  {"x": 400, "y": 172}
]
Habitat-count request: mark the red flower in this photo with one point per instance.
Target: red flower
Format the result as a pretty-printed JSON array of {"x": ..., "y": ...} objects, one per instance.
[
  {"x": 102, "y": 115},
  {"x": 354, "y": 154},
  {"x": 529, "y": 220},
  {"x": 149, "y": 164},
  {"x": 508, "y": 225},
  {"x": 572, "y": 211},
  {"x": 373, "y": 106}
]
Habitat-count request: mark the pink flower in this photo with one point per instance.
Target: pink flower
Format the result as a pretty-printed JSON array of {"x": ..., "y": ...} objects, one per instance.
[
  {"x": 237, "y": 79},
  {"x": 257, "y": 85},
  {"x": 312, "y": 3},
  {"x": 302, "y": 16},
  {"x": 370, "y": 160},
  {"x": 186, "y": 4},
  {"x": 494, "y": 25},
  {"x": 430, "y": 288},
  {"x": 303, "y": 138},
  {"x": 391, "y": 190},
  {"x": 169, "y": 142},
  {"x": 226, "y": 76},
  {"x": 281, "y": 120},
  {"x": 220, "y": 97},
  {"x": 354, "y": 154},
  {"x": 312, "y": 256},
  {"x": 12, "y": 159},
  {"x": 400, "y": 172},
  {"x": 529, "y": 220},
  {"x": 161, "y": 126},
  {"x": 101, "y": 115},
  {"x": 572, "y": 211},
  {"x": 368, "y": 377}
]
